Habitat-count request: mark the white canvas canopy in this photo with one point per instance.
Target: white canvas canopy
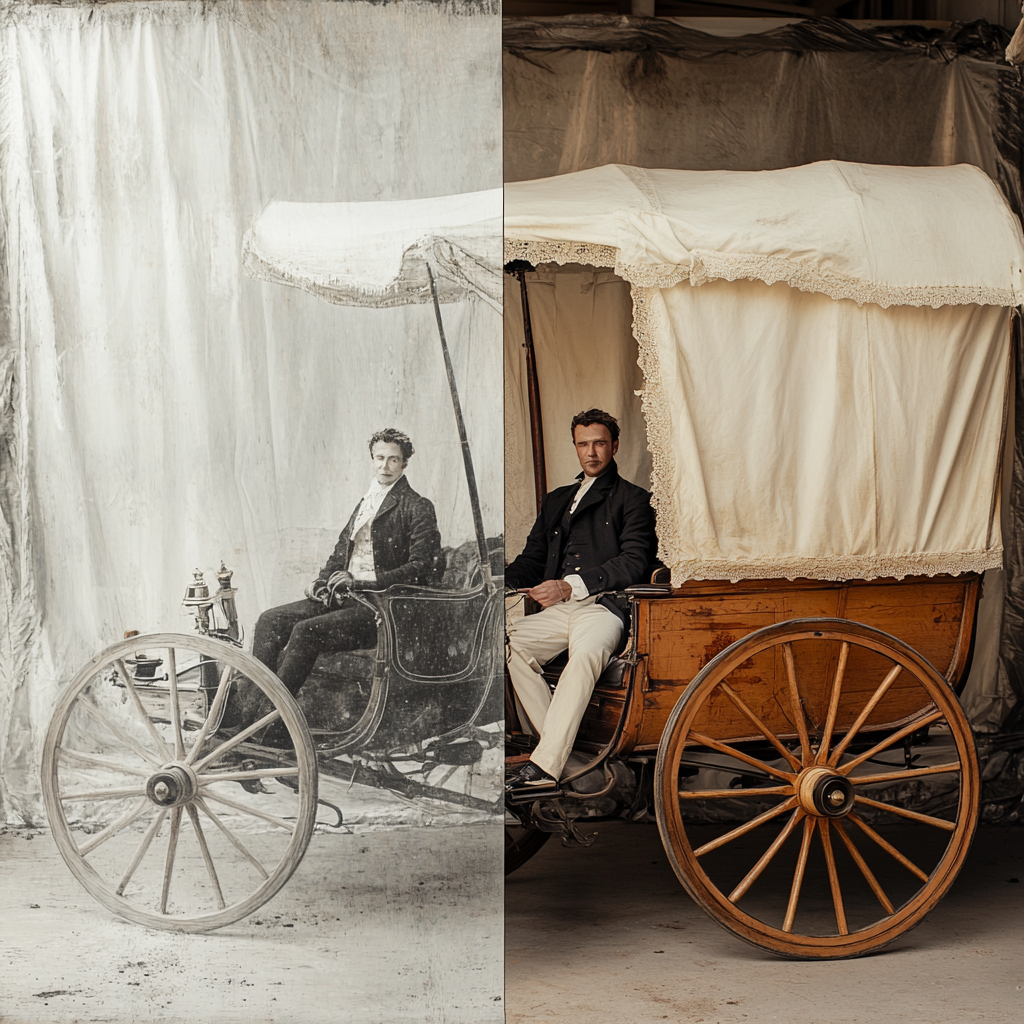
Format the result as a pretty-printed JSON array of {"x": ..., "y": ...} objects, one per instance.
[
  {"x": 375, "y": 253},
  {"x": 825, "y": 353}
]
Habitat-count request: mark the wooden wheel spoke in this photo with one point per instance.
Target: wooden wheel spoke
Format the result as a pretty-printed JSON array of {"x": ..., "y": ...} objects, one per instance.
[
  {"x": 888, "y": 847},
  {"x": 845, "y": 769},
  {"x": 766, "y": 858},
  {"x": 172, "y": 847},
  {"x": 833, "y": 878},
  {"x": 726, "y": 794},
  {"x": 725, "y": 748},
  {"x": 129, "y": 685},
  {"x": 132, "y": 814},
  {"x": 798, "y": 875},
  {"x": 115, "y": 730},
  {"x": 140, "y": 852},
  {"x": 905, "y": 773},
  {"x": 749, "y": 826},
  {"x": 872, "y": 703},
  {"x": 262, "y": 815},
  {"x": 927, "y": 819},
  {"x": 833, "y": 705},
  {"x": 760, "y": 726},
  {"x": 104, "y": 794},
  {"x": 213, "y": 714},
  {"x": 231, "y": 837},
  {"x": 172, "y": 673},
  {"x": 247, "y": 776},
  {"x": 876, "y": 888},
  {"x": 796, "y": 705},
  {"x": 230, "y": 744},
  {"x": 96, "y": 761},
  {"x": 207, "y": 859}
]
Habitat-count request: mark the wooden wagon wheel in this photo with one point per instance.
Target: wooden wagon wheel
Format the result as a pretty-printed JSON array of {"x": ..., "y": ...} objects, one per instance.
[
  {"x": 811, "y": 872},
  {"x": 165, "y": 819}
]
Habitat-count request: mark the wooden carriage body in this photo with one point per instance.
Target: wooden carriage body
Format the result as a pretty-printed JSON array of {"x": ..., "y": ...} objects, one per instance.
[{"x": 675, "y": 635}]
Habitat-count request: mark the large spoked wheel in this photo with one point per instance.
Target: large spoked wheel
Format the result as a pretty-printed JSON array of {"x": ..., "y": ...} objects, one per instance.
[
  {"x": 163, "y": 795},
  {"x": 792, "y": 833}
]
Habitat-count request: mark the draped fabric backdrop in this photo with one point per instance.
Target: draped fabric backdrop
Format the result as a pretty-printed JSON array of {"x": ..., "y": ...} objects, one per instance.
[
  {"x": 162, "y": 411},
  {"x": 585, "y": 91}
]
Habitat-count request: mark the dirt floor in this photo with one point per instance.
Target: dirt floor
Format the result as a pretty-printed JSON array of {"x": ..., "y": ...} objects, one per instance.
[
  {"x": 376, "y": 926},
  {"x": 607, "y": 934}
]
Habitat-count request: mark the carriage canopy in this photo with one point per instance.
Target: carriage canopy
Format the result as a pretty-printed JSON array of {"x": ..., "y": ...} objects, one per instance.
[
  {"x": 375, "y": 253},
  {"x": 825, "y": 352}
]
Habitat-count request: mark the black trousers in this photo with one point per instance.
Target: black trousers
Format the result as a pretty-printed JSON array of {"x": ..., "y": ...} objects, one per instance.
[{"x": 305, "y": 629}]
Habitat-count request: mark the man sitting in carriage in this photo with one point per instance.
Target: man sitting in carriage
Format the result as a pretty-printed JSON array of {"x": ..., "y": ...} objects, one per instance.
[
  {"x": 591, "y": 537},
  {"x": 391, "y": 537}
]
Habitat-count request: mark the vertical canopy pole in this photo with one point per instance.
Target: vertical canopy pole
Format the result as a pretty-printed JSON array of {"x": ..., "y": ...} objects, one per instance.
[
  {"x": 467, "y": 457},
  {"x": 540, "y": 472}
]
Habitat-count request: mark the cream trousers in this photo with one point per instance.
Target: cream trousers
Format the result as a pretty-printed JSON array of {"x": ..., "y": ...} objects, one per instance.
[{"x": 591, "y": 633}]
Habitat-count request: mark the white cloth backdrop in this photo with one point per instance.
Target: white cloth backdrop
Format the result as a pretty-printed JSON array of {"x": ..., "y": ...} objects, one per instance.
[{"x": 163, "y": 411}]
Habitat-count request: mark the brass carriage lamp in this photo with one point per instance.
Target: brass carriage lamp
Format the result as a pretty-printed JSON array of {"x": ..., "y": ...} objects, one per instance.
[{"x": 197, "y": 597}]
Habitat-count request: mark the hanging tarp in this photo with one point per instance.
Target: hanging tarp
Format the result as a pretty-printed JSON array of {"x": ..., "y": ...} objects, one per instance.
[{"x": 809, "y": 413}]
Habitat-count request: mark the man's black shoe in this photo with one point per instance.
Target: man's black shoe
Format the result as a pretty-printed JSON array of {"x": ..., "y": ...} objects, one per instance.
[{"x": 530, "y": 775}]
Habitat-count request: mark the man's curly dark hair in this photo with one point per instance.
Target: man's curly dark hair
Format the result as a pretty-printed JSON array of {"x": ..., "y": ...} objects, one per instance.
[
  {"x": 592, "y": 416},
  {"x": 389, "y": 435}
]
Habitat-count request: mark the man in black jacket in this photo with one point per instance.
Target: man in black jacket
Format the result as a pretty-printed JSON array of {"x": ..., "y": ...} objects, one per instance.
[
  {"x": 391, "y": 537},
  {"x": 593, "y": 536}
]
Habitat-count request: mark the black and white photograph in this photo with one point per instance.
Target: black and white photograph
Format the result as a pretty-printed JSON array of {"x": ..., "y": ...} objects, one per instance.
[{"x": 251, "y": 692}]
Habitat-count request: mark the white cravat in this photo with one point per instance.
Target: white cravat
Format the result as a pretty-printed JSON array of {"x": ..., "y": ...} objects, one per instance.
[
  {"x": 361, "y": 561},
  {"x": 588, "y": 482},
  {"x": 370, "y": 504}
]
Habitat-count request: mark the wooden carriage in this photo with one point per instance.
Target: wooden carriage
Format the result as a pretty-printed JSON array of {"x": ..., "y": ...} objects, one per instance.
[{"x": 813, "y": 775}]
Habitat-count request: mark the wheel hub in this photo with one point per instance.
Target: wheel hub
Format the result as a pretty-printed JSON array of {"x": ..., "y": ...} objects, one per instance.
[
  {"x": 824, "y": 792},
  {"x": 174, "y": 784}
]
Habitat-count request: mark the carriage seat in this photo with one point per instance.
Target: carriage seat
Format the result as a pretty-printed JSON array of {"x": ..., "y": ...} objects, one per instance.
[
  {"x": 612, "y": 678},
  {"x": 454, "y": 569}
]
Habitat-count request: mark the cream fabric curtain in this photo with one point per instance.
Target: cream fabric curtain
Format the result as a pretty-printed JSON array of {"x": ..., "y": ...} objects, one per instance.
[
  {"x": 799, "y": 436},
  {"x": 163, "y": 410}
]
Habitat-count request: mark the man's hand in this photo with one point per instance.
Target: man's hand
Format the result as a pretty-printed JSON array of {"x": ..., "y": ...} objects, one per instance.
[
  {"x": 317, "y": 591},
  {"x": 550, "y": 592},
  {"x": 341, "y": 578}
]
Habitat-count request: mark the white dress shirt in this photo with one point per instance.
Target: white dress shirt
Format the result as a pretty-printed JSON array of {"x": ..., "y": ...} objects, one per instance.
[{"x": 579, "y": 588}]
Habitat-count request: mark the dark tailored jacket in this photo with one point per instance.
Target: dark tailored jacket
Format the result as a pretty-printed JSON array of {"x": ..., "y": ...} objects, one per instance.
[
  {"x": 613, "y": 537},
  {"x": 406, "y": 541}
]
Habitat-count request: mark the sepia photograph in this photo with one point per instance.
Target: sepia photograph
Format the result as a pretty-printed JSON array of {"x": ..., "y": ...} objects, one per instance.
[{"x": 251, "y": 678}]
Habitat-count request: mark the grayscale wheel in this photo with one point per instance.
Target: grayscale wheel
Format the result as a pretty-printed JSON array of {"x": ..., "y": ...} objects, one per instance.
[{"x": 166, "y": 815}]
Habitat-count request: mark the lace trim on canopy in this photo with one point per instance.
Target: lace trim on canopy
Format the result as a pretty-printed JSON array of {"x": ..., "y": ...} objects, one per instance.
[
  {"x": 836, "y": 567},
  {"x": 804, "y": 275}
]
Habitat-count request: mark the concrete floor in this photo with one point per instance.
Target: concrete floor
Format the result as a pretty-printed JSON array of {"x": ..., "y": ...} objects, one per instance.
[
  {"x": 375, "y": 927},
  {"x": 606, "y": 934}
]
